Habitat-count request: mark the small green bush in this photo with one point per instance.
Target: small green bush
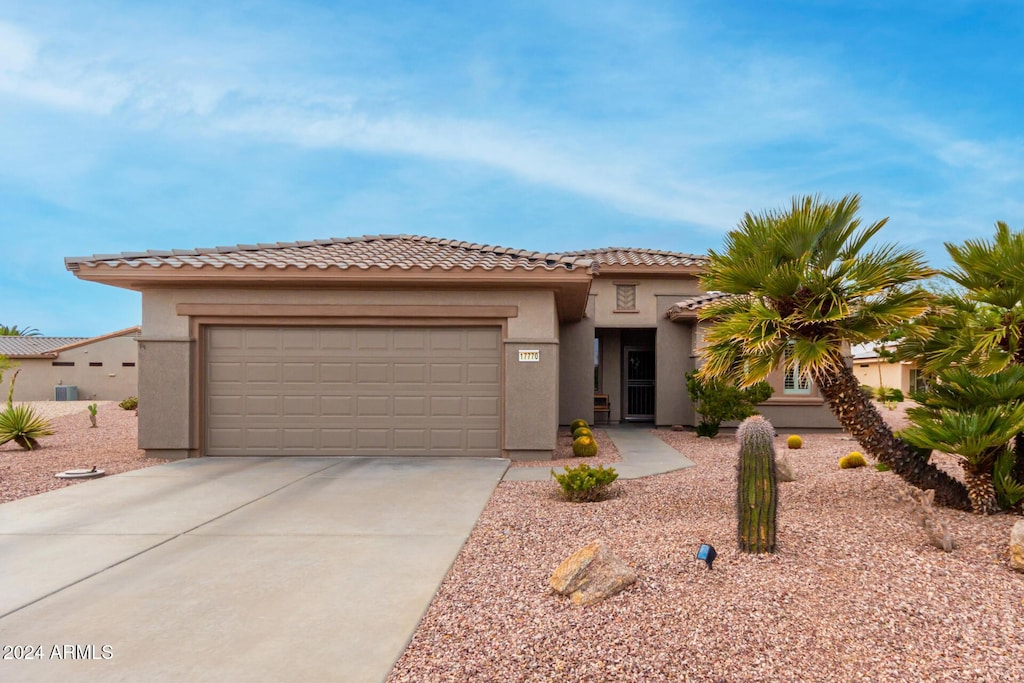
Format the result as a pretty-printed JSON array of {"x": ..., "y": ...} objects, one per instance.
[
  {"x": 130, "y": 403},
  {"x": 889, "y": 395},
  {"x": 882, "y": 467},
  {"x": 794, "y": 441},
  {"x": 584, "y": 447},
  {"x": 708, "y": 429},
  {"x": 854, "y": 459},
  {"x": 585, "y": 483},
  {"x": 867, "y": 390},
  {"x": 23, "y": 426},
  {"x": 582, "y": 431},
  {"x": 576, "y": 424}
]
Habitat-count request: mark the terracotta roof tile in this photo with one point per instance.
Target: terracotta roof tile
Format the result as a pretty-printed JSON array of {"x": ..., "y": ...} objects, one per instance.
[
  {"x": 685, "y": 309},
  {"x": 14, "y": 347},
  {"x": 405, "y": 252},
  {"x": 626, "y": 256}
]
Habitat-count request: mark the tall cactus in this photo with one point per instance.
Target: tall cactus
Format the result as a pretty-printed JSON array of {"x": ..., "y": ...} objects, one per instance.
[{"x": 757, "y": 492}]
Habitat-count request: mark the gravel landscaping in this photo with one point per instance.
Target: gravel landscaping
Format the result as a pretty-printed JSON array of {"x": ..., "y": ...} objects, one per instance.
[
  {"x": 854, "y": 593},
  {"x": 111, "y": 446}
]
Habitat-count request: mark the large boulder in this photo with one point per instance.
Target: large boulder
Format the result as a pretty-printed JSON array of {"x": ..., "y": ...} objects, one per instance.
[
  {"x": 1017, "y": 546},
  {"x": 591, "y": 574}
]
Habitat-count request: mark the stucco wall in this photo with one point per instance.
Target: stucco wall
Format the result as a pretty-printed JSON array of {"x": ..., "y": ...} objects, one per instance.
[
  {"x": 806, "y": 411},
  {"x": 576, "y": 369},
  {"x": 894, "y": 375},
  {"x": 111, "y": 380},
  {"x": 648, "y": 312},
  {"x": 170, "y": 381},
  {"x": 674, "y": 350}
]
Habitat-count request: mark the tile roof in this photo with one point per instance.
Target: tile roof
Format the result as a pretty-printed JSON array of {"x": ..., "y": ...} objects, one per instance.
[
  {"x": 688, "y": 307},
  {"x": 626, "y": 256},
  {"x": 22, "y": 347},
  {"x": 695, "y": 303},
  {"x": 404, "y": 252},
  {"x": 13, "y": 347}
]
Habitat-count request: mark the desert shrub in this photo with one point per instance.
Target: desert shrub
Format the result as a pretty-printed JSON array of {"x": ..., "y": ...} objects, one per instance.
[
  {"x": 576, "y": 424},
  {"x": 867, "y": 390},
  {"x": 130, "y": 403},
  {"x": 584, "y": 447},
  {"x": 582, "y": 431},
  {"x": 889, "y": 395},
  {"x": 718, "y": 401},
  {"x": 585, "y": 483},
  {"x": 708, "y": 429},
  {"x": 23, "y": 426},
  {"x": 851, "y": 460},
  {"x": 794, "y": 441},
  {"x": 882, "y": 467}
]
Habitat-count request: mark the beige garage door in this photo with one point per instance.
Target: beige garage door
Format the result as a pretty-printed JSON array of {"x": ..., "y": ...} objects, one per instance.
[{"x": 352, "y": 391}]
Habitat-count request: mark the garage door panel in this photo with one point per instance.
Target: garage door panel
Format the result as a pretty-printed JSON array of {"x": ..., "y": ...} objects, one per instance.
[
  {"x": 257, "y": 339},
  {"x": 446, "y": 373},
  {"x": 352, "y": 391},
  {"x": 410, "y": 406},
  {"x": 263, "y": 372},
  {"x": 372, "y": 373},
  {"x": 410, "y": 373},
  {"x": 299, "y": 372},
  {"x": 262, "y": 406},
  {"x": 482, "y": 406},
  {"x": 482, "y": 439},
  {"x": 483, "y": 373},
  {"x": 337, "y": 406}
]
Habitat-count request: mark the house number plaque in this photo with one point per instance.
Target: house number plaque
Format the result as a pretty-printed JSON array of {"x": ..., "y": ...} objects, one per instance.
[{"x": 529, "y": 355}]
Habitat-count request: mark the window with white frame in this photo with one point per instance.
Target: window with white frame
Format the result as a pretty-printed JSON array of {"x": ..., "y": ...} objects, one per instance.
[{"x": 793, "y": 381}]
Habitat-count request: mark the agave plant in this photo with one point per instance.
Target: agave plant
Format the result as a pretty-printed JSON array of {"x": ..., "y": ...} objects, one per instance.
[{"x": 23, "y": 426}]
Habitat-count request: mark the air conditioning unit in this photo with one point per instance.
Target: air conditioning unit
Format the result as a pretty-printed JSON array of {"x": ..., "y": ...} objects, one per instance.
[{"x": 63, "y": 392}]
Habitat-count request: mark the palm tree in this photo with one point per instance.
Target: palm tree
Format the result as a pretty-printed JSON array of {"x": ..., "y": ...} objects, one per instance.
[
  {"x": 15, "y": 331},
  {"x": 806, "y": 289},
  {"x": 981, "y": 325}
]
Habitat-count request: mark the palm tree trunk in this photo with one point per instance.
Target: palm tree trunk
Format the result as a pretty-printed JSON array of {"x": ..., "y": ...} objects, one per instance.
[
  {"x": 980, "y": 489},
  {"x": 859, "y": 417}
]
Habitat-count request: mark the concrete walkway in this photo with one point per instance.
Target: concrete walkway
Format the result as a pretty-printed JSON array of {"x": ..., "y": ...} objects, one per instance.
[
  {"x": 225, "y": 569},
  {"x": 643, "y": 454}
]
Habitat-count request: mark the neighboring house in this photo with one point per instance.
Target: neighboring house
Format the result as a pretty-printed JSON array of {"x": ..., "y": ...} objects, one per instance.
[
  {"x": 870, "y": 369},
  {"x": 408, "y": 345},
  {"x": 87, "y": 368}
]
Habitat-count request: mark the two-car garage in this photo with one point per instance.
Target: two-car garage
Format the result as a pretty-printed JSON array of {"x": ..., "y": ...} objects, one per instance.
[{"x": 301, "y": 390}]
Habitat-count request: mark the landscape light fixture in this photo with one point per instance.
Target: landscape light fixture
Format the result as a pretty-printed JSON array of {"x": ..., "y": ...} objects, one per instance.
[{"x": 707, "y": 553}]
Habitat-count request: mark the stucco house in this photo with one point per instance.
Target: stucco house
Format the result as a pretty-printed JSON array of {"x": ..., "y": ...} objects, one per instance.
[
  {"x": 99, "y": 368},
  {"x": 870, "y": 369},
  {"x": 409, "y": 345}
]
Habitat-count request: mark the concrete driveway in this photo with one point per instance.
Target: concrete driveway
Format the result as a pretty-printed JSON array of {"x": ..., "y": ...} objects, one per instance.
[{"x": 271, "y": 569}]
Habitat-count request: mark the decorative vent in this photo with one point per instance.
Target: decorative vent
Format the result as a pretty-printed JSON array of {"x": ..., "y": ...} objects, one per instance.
[{"x": 625, "y": 297}]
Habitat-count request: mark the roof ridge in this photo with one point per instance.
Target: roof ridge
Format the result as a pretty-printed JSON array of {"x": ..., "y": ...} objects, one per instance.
[
  {"x": 72, "y": 262},
  {"x": 635, "y": 250}
]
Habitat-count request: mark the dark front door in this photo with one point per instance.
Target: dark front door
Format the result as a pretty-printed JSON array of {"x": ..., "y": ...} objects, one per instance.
[{"x": 639, "y": 371}]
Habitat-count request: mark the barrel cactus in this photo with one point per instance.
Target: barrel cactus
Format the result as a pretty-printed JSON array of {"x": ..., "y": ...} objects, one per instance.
[
  {"x": 576, "y": 424},
  {"x": 794, "y": 441},
  {"x": 852, "y": 460},
  {"x": 582, "y": 431},
  {"x": 757, "y": 492},
  {"x": 584, "y": 447}
]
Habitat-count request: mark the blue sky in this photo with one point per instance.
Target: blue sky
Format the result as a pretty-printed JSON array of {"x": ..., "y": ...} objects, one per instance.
[{"x": 551, "y": 126}]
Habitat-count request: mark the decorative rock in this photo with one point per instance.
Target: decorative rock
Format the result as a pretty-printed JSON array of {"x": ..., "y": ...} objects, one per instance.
[
  {"x": 678, "y": 428},
  {"x": 1017, "y": 546},
  {"x": 591, "y": 574},
  {"x": 784, "y": 468}
]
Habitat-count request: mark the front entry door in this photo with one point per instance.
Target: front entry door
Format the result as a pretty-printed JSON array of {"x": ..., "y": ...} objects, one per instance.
[{"x": 639, "y": 371}]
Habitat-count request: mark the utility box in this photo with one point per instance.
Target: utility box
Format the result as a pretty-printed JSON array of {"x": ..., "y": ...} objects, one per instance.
[{"x": 64, "y": 392}]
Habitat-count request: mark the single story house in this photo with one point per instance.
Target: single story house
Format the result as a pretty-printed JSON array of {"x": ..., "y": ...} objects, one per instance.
[
  {"x": 410, "y": 345},
  {"x": 876, "y": 371},
  {"x": 73, "y": 368}
]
